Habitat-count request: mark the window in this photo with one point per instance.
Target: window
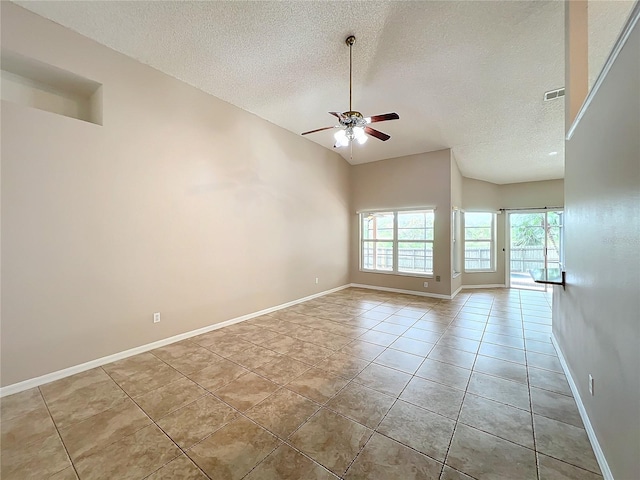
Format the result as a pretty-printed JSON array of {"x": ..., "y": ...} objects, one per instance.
[
  {"x": 397, "y": 242},
  {"x": 479, "y": 243}
]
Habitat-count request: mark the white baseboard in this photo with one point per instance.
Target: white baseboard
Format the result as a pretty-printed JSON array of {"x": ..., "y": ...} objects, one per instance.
[
  {"x": 398, "y": 290},
  {"x": 458, "y": 290},
  {"x": 50, "y": 377},
  {"x": 597, "y": 450},
  {"x": 489, "y": 285}
]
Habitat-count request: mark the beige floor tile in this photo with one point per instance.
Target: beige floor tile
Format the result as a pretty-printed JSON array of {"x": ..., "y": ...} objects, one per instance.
[
  {"x": 382, "y": 458},
  {"x": 254, "y": 356},
  {"x": 434, "y": 396},
  {"x": 80, "y": 396},
  {"x": 172, "y": 396},
  {"x": 34, "y": 426},
  {"x": 140, "y": 374},
  {"x": 383, "y": 379},
  {"x": 13, "y": 406},
  {"x": 378, "y": 338},
  {"x": 135, "y": 456},
  {"x": 39, "y": 459},
  {"x": 403, "y": 320},
  {"x": 504, "y": 330},
  {"x": 498, "y": 419},
  {"x": 501, "y": 352},
  {"x": 453, "y": 356},
  {"x": 422, "y": 335},
  {"x": 234, "y": 450},
  {"x": 459, "y": 343},
  {"x": 246, "y": 391},
  {"x": 547, "y": 380},
  {"x": 364, "y": 350},
  {"x": 444, "y": 373},
  {"x": 504, "y": 340},
  {"x": 485, "y": 456},
  {"x": 564, "y": 442},
  {"x": 104, "y": 428},
  {"x": 317, "y": 385},
  {"x": 287, "y": 464},
  {"x": 68, "y": 473},
  {"x": 449, "y": 473},
  {"x": 218, "y": 375},
  {"x": 363, "y": 323},
  {"x": 415, "y": 347},
  {"x": 361, "y": 404},
  {"x": 418, "y": 428},
  {"x": 552, "y": 469},
  {"x": 182, "y": 468},
  {"x": 500, "y": 390},
  {"x": 405, "y": 362},
  {"x": 331, "y": 440},
  {"x": 192, "y": 423},
  {"x": 392, "y": 328},
  {"x": 462, "y": 332},
  {"x": 546, "y": 362},
  {"x": 228, "y": 346},
  {"x": 555, "y": 405},
  {"x": 282, "y": 370},
  {"x": 186, "y": 357},
  {"x": 309, "y": 353},
  {"x": 283, "y": 412},
  {"x": 501, "y": 368},
  {"x": 378, "y": 316},
  {"x": 343, "y": 365}
]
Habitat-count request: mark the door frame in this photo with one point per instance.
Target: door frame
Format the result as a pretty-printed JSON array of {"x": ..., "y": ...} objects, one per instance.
[{"x": 507, "y": 243}]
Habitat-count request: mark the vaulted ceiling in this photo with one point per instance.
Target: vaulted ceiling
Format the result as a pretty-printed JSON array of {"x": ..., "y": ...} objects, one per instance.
[{"x": 463, "y": 75}]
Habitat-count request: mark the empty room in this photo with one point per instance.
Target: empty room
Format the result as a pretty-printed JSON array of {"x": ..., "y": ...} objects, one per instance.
[{"x": 280, "y": 240}]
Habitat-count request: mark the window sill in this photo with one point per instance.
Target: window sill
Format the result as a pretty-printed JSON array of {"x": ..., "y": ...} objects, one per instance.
[
  {"x": 480, "y": 271},
  {"x": 400, "y": 274}
]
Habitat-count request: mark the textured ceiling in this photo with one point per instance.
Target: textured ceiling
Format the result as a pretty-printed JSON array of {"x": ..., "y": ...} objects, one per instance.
[{"x": 464, "y": 75}]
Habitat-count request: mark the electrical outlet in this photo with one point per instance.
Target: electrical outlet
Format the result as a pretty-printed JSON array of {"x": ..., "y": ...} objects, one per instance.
[
  {"x": 591, "y": 384},
  {"x": 426, "y": 284},
  {"x": 437, "y": 278},
  {"x": 156, "y": 317},
  {"x": 316, "y": 280}
]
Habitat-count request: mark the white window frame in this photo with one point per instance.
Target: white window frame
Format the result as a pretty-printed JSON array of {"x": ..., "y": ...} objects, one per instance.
[
  {"x": 491, "y": 242},
  {"x": 457, "y": 247},
  {"x": 394, "y": 240}
]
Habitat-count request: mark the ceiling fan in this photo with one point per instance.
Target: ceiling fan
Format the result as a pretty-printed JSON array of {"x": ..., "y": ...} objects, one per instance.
[{"x": 353, "y": 125}]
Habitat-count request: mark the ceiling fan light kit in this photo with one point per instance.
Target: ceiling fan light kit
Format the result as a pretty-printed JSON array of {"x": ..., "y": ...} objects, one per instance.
[{"x": 353, "y": 125}]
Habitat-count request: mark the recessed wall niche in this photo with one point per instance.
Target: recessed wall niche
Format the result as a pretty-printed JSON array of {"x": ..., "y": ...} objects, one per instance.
[{"x": 32, "y": 83}]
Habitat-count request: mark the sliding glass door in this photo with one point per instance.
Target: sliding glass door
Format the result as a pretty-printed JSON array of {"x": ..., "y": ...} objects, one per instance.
[{"x": 535, "y": 241}]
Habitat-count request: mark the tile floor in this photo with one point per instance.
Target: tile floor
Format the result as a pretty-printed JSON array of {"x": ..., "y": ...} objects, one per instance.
[{"x": 357, "y": 384}]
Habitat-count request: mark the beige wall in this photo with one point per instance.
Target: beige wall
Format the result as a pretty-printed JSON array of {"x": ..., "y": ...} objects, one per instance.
[
  {"x": 596, "y": 320},
  {"x": 180, "y": 204},
  {"x": 414, "y": 181}
]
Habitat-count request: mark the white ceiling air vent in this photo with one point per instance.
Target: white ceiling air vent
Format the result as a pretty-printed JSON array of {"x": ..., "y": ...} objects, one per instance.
[{"x": 554, "y": 94}]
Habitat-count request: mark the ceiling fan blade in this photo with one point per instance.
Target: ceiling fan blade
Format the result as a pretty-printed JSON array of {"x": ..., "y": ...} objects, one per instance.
[
  {"x": 337, "y": 115},
  {"x": 382, "y": 118},
  {"x": 375, "y": 133},
  {"x": 316, "y": 130}
]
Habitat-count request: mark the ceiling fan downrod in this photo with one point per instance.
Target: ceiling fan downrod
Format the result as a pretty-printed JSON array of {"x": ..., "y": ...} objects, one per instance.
[{"x": 350, "y": 41}]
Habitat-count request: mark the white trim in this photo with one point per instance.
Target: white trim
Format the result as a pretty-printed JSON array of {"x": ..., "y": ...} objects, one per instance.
[
  {"x": 488, "y": 285},
  {"x": 597, "y": 450},
  {"x": 395, "y": 209},
  {"x": 410, "y": 292},
  {"x": 617, "y": 48},
  {"x": 50, "y": 377}
]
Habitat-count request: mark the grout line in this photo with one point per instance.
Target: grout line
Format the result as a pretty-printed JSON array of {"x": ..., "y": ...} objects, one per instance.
[{"x": 55, "y": 425}]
